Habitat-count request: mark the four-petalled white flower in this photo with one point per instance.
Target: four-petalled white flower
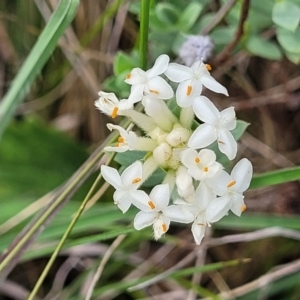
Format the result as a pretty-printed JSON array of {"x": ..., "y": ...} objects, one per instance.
[
  {"x": 161, "y": 213},
  {"x": 217, "y": 126},
  {"x": 191, "y": 80},
  {"x": 230, "y": 188},
  {"x": 149, "y": 82},
  {"x": 126, "y": 186}
]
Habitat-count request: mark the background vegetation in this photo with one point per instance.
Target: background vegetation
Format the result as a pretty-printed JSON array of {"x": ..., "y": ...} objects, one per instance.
[{"x": 52, "y": 139}]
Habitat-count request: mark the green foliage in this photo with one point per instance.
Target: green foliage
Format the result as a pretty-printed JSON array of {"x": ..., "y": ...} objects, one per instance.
[{"x": 35, "y": 159}]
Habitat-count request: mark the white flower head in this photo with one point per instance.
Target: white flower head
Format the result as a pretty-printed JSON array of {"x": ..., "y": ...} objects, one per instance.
[
  {"x": 126, "y": 186},
  {"x": 217, "y": 126},
  {"x": 109, "y": 104},
  {"x": 231, "y": 188},
  {"x": 191, "y": 80},
  {"x": 161, "y": 214},
  {"x": 149, "y": 82},
  {"x": 201, "y": 165},
  {"x": 126, "y": 140},
  {"x": 203, "y": 197}
]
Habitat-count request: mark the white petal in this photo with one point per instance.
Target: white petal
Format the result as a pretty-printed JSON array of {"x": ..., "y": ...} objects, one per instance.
[
  {"x": 178, "y": 73},
  {"x": 188, "y": 157},
  {"x": 198, "y": 232},
  {"x": 160, "y": 195},
  {"x": 136, "y": 93},
  {"x": 204, "y": 195},
  {"x": 131, "y": 173},
  {"x": 120, "y": 149},
  {"x": 227, "y": 143},
  {"x": 217, "y": 209},
  {"x": 237, "y": 204},
  {"x": 205, "y": 110},
  {"x": 187, "y": 91},
  {"x": 207, "y": 157},
  {"x": 112, "y": 176},
  {"x": 228, "y": 118},
  {"x": 219, "y": 183},
  {"x": 140, "y": 199},
  {"x": 159, "y": 87},
  {"x": 123, "y": 200},
  {"x": 179, "y": 214},
  {"x": 159, "y": 67},
  {"x": 144, "y": 219},
  {"x": 213, "y": 85},
  {"x": 203, "y": 136},
  {"x": 136, "y": 76},
  {"x": 242, "y": 173}
]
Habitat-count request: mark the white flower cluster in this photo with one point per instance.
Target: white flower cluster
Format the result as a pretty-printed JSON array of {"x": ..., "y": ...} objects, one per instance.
[{"x": 202, "y": 191}]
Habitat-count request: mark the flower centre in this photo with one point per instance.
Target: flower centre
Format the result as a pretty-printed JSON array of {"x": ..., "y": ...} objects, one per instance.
[
  {"x": 208, "y": 67},
  {"x": 189, "y": 90},
  {"x": 151, "y": 205},
  {"x": 205, "y": 169},
  {"x": 114, "y": 112},
  {"x": 120, "y": 141},
  {"x": 197, "y": 160},
  {"x": 231, "y": 183},
  {"x": 136, "y": 180},
  {"x": 156, "y": 92}
]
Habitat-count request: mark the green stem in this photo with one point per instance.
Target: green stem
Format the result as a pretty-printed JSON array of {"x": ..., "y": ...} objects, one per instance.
[
  {"x": 65, "y": 236},
  {"x": 144, "y": 29}
]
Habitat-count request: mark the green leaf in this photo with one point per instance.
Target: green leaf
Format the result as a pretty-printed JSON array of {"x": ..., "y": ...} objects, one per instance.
[
  {"x": 123, "y": 62},
  {"x": 35, "y": 159},
  {"x": 263, "y": 48},
  {"x": 288, "y": 40},
  {"x": 167, "y": 13},
  {"x": 37, "y": 58},
  {"x": 275, "y": 177},
  {"x": 293, "y": 57},
  {"x": 189, "y": 16},
  {"x": 286, "y": 14}
]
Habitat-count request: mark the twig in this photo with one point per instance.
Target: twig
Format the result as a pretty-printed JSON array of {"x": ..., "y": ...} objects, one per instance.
[
  {"x": 254, "y": 236},
  {"x": 239, "y": 33},
  {"x": 218, "y": 17},
  {"x": 102, "y": 264},
  {"x": 262, "y": 281}
]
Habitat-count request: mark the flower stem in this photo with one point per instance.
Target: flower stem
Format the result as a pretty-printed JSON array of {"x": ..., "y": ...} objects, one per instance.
[{"x": 144, "y": 28}]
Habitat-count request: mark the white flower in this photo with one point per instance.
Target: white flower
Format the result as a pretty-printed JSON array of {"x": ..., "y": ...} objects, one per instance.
[
  {"x": 217, "y": 126},
  {"x": 126, "y": 140},
  {"x": 200, "y": 165},
  {"x": 126, "y": 186},
  {"x": 148, "y": 82},
  {"x": 109, "y": 104},
  {"x": 231, "y": 188},
  {"x": 184, "y": 184},
  {"x": 203, "y": 197},
  {"x": 191, "y": 80},
  {"x": 161, "y": 214}
]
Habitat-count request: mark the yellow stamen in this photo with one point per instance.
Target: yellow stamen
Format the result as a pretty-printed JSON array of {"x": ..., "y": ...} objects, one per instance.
[
  {"x": 128, "y": 76},
  {"x": 197, "y": 160},
  {"x": 136, "y": 180},
  {"x": 120, "y": 141},
  {"x": 200, "y": 224},
  {"x": 205, "y": 169},
  {"x": 189, "y": 90},
  {"x": 114, "y": 112},
  {"x": 231, "y": 183},
  {"x": 208, "y": 67},
  {"x": 164, "y": 227},
  {"x": 151, "y": 204},
  {"x": 243, "y": 208},
  {"x": 154, "y": 92},
  {"x": 220, "y": 142}
]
